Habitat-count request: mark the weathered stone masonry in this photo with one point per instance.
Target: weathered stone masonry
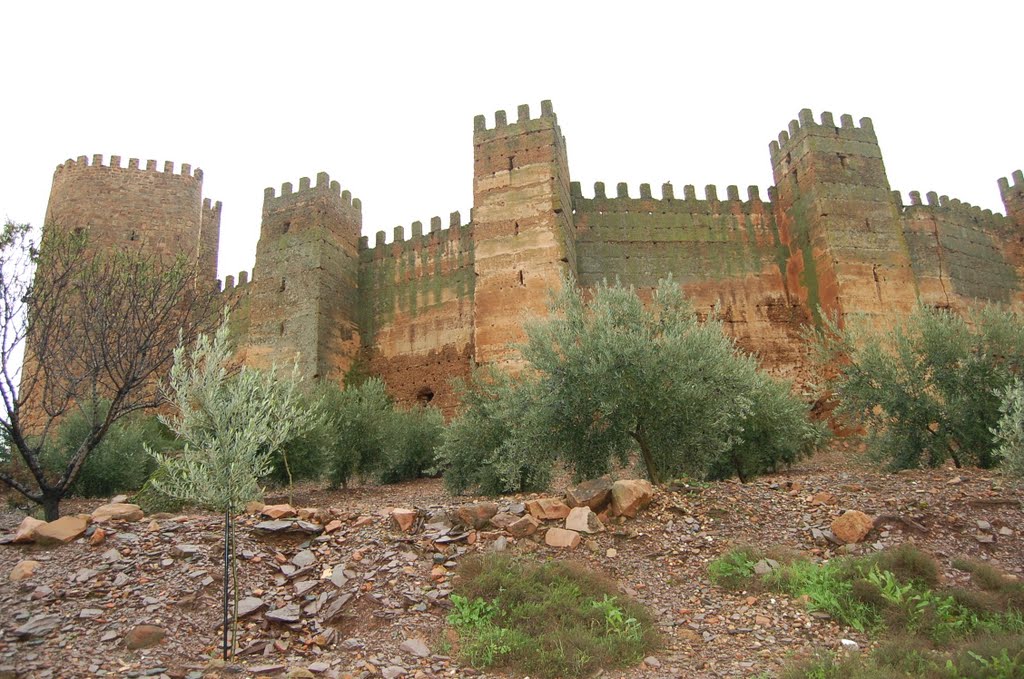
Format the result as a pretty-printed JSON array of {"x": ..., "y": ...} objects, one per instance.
[{"x": 829, "y": 236}]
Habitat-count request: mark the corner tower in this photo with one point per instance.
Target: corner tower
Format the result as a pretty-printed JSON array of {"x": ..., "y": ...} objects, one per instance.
[
  {"x": 835, "y": 207},
  {"x": 522, "y": 226},
  {"x": 304, "y": 293},
  {"x": 157, "y": 212}
]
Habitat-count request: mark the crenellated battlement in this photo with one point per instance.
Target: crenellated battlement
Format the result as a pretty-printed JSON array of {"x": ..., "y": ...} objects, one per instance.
[
  {"x": 230, "y": 283},
  {"x": 418, "y": 238},
  {"x": 323, "y": 185},
  {"x": 82, "y": 163},
  {"x": 1008, "y": 189},
  {"x": 935, "y": 202},
  {"x": 805, "y": 126},
  {"x": 669, "y": 202},
  {"x": 523, "y": 120}
]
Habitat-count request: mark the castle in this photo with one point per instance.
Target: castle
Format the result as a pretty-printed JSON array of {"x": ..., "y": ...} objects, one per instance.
[{"x": 829, "y": 237}]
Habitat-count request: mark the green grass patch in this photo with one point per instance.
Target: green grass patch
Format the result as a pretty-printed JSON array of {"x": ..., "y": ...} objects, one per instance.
[
  {"x": 932, "y": 631},
  {"x": 553, "y": 619}
]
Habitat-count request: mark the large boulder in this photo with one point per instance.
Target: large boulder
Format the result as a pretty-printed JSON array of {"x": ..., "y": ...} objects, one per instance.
[
  {"x": 547, "y": 509},
  {"x": 595, "y": 493},
  {"x": 630, "y": 496},
  {"x": 475, "y": 515},
  {"x": 523, "y": 527},
  {"x": 583, "y": 520},
  {"x": 117, "y": 512},
  {"x": 61, "y": 531},
  {"x": 560, "y": 537},
  {"x": 853, "y": 526},
  {"x": 26, "y": 528}
]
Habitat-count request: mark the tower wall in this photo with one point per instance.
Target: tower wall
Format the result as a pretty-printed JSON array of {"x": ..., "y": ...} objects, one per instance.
[
  {"x": 837, "y": 214},
  {"x": 522, "y": 226},
  {"x": 305, "y": 290},
  {"x": 961, "y": 254},
  {"x": 159, "y": 212},
  {"x": 416, "y": 310}
]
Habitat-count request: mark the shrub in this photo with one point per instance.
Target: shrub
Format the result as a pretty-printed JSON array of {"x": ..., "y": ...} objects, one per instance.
[
  {"x": 494, "y": 445},
  {"x": 354, "y": 428},
  {"x": 119, "y": 464},
  {"x": 555, "y": 619},
  {"x": 1009, "y": 431},
  {"x": 926, "y": 390},
  {"x": 409, "y": 442},
  {"x": 363, "y": 433}
]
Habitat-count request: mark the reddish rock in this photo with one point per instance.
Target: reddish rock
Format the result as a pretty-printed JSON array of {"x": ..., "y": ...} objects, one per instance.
[
  {"x": 24, "y": 570},
  {"x": 362, "y": 521},
  {"x": 823, "y": 498},
  {"x": 332, "y": 526},
  {"x": 524, "y": 526},
  {"x": 98, "y": 537},
  {"x": 475, "y": 515},
  {"x": 144, "y": 636},
  {"x": 284, "y": 511},
  {"x": 547, "y": 508},
  {"x": 630, "y": 496},
  {"x": 503, "y": 520},
  {"x": 583, "y": 520},
  {"x": 560, "y": 537},
  {"x": 117, "y": 512},
  {"x": 405, "y": 519},
  {"x": 852, "y": 526},
  {"x": 595, "y": 493},
  {"x": 61, "y": 531},
  {"x": 25, "y": 529}
]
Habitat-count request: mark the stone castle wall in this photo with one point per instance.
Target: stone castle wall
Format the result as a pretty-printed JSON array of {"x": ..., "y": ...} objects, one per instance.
[{"x": 831, "y": 236}]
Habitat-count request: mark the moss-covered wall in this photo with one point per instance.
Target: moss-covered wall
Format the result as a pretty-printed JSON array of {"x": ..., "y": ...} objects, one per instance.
[
  {"x": 961, "y": 254},
  {"x": 723, "y": 252},
  {"x": 416, "y": 311}
]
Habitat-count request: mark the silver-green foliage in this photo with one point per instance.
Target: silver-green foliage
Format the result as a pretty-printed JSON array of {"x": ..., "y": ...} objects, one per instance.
[
  {"x": 926, "y": 389},
  {"x": 497, "y": 444},
  {"x": 230, "y": 424},
  {"x": 615, "y": 376},
  {"x": 1009, "y": 432}
]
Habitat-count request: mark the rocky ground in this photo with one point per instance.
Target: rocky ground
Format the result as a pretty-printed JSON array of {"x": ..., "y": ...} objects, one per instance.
[{"x": 341, "y": 590}]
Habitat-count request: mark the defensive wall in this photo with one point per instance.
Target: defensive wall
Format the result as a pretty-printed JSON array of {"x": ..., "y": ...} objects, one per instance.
[{"x": 830, "y": 236}]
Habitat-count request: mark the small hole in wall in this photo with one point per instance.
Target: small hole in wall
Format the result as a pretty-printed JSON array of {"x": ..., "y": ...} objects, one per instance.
[
  {"x": 134, "y": 236},
  {"x": 285, "y": 227},
  {"x": 511, "y": 163},
  {"x": 282, "y": 285},
  {"x": 522, "y": 284},
  {"x": 280, "y": 328},
  {"x": 516, "y": 231},
  {"x": 425, "y": 395}
]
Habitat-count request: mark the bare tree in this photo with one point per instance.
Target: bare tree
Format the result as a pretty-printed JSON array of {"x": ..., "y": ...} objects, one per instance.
[{"x": 84, "y": 331}]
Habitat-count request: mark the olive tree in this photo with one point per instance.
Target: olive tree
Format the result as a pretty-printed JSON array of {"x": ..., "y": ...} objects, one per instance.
[
  {"x": 616, "y": 376},
  {"x": 230, "y": 423}
]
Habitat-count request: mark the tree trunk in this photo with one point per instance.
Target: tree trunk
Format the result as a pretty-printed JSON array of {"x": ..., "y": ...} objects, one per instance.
[
  {"x": 645, "y": 453},
  {"x": 51, "y": 506}
]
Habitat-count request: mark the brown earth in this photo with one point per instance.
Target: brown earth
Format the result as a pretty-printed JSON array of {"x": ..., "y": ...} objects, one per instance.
[{"x": 85, "y": 600}]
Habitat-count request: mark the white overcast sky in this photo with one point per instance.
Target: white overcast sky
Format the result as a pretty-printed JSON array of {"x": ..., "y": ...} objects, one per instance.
[{"x": 382, "y": 96}]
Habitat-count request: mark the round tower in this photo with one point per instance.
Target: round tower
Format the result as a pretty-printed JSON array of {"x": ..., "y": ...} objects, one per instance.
[{"x": 159, "y": 212}]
